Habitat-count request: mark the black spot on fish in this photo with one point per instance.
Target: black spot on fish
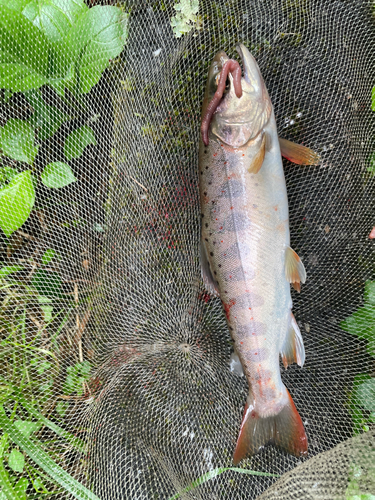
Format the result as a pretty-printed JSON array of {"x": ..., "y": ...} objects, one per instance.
[
  {"x": 201, "y": 172},
  {"x": 206, "y": 168},
  {"x": 212, "y": 254},
  {"x": 215, "y": 272},
  {"x": 206, "y": 224},
  {"x": 206, "y": 239},
  {"x": 210, "y": 183},
  {"x": 214, "y": 242},
  {"x": 202, "y": 215},
  {"x": 219, "y": 265},
  {"x": 205, "y": 193}
]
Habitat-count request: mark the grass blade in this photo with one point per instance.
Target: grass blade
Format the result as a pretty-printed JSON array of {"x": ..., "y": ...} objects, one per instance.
[
  {"x": 41, "y": 458},
  {"x": 79, "y": 444},
  {"x": 216, "y": 472}
]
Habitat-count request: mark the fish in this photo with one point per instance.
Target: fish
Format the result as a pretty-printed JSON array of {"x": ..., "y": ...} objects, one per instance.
[{"x": 245, "y": 251}]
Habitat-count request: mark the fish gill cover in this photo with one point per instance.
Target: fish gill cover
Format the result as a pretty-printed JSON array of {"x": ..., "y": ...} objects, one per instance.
[{"x": 115, "y": 378}]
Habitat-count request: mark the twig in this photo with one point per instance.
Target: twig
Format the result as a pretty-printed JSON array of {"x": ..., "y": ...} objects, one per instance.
[{"x": 139, "y": 184}]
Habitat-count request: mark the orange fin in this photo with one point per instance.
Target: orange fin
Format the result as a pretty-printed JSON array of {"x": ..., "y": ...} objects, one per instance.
[
  {"x": 285, "y": 429},
  {"x": 258, "y": 158},
  {"x": 295, "y": 271},
  {"x": 293, "y": 350},
  {"x": 301, "y": 155}
]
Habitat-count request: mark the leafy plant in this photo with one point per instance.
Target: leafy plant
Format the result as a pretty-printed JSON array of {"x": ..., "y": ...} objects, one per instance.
[
  {"x": 362, "y": 325},
  {"x": 185, "y": 18},
  {"x": 76, "y": 377},
  {"x": 65, "y": 46}
]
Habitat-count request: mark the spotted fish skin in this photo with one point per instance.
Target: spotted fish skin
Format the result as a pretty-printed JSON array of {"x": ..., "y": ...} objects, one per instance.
[{"x": 245, "y": 240}]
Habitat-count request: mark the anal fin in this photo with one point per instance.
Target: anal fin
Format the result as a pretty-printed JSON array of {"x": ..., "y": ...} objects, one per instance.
[
  {"x": 295, "y": 271},
  {"x": 293, "y": 350},
  {"x": 296, "y": 153},
  {"x": 208, "y": 279}
]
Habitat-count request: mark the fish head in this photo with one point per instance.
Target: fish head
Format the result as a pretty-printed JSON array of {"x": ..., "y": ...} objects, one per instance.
[{"x": 237, "y": 120}]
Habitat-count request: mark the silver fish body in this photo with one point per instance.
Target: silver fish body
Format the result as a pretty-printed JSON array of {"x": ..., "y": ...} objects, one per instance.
[{"x": 246, "y": 254}]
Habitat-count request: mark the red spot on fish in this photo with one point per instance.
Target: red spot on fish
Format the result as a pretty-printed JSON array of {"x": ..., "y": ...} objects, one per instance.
[
  {"x": 227, "y": 307},
  {"x": 243, "y": 155},
  {"x": 275, "y": 208},
  {"x": 231, "y": 208},
  {"x": 230, "y": 276},
  {"x": 222, "y": 240},
  {"x": 241, "y": 342}
]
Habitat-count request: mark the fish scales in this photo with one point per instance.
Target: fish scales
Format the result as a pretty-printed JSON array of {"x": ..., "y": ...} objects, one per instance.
[
  {"x": 255, "y": 223},
  {"x": 246, "y": 254}
]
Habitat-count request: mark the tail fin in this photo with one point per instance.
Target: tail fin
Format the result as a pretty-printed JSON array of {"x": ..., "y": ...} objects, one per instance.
[{"x": 285, "y": 429}]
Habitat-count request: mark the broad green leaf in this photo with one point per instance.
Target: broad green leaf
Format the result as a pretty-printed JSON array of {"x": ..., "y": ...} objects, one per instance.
[
  {"x": 4, "y": 443},
  {"x": 24, "y": 52},
  {"x": 17, "y": 141},
  {"x": 6, "y": 270},
  {"x": 373, "y": 98},
  {"x": 46, "y": 119},
  {"x": 17, "y": 5},
  {"x": 47, "y": 283},
  {"x": 26, "y": 427},
  {"x": 77, "y": 141},
  {"x": 16, "y": 461},
  {"x": 16, "y": 202},
  {"x": 57, "y": 175},
  {"x": 7, "y": 174},
  {"x": 97, "y": 37},
  {"x": 21, "y": 487},
  {"x": 48, "y": 256},
  {"x": 54, "y": 17},
  {"x": 40, "y": 457},
  {"x": 366, "y": 394}
]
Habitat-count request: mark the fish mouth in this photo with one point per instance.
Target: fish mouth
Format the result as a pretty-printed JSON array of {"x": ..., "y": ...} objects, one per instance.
[{"x": 250, "y": 68}]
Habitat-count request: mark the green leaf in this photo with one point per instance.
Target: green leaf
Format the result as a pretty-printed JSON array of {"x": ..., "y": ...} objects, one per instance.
[
  {"x": 57, "y": 175},
  {"x": 77, "y": 141},
  {"x": 24, "y": 52},
  {"x": 46, "y": 119},
  {"x": 97, "y": 37},
  {"x": 61, "y": 408},
  {"x": 76, "y": 376},
  {"x": 54, "y": 18},
  {"x": 6, "y": 270},
  {"x": 370, "y": 293},
  {"x": 17, "y": 141},
  {"x": 40, "y": 457},
  {"x": 6, "y": 175},
  {"x": 16, "y": 202},
  {"x": 27, "y": 427},
  {"x": 216, "y": 472},
  {"x": 366, "y": 394},
  {"x": 48, "y": 256},
  {"x": 21, "y": 487},
  {"x": 6, "y": 485},
  {"x": 373, "y": 98},
  {"x": 47, "y": 283},
  {"x": 17, "y": 5},
  {"x": 16, "y": 461}
]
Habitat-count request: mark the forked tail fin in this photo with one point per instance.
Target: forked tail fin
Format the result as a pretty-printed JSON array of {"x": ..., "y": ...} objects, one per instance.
[{"x": 285, "y": 429}]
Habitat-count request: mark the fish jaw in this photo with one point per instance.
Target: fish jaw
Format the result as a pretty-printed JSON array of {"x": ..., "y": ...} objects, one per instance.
[{"x": 237, "y": 121}]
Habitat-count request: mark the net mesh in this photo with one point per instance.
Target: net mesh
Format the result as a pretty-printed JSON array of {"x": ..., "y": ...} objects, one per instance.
[{"x": 106, "y": 329}]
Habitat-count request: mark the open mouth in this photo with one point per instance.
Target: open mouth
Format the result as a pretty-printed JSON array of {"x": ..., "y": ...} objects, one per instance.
[{"x": 231, "y": 66}]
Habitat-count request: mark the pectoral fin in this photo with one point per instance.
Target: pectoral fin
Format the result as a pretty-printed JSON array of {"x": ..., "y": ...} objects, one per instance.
[
  {"x": 258, "y": 158},
  {"x": 295, "y": 271},
  {"x": 293, "y": 350},
  {"x": 301, "y": 155},
  {"x": 208, "y": 279}
]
